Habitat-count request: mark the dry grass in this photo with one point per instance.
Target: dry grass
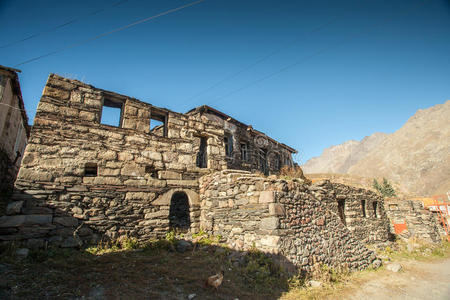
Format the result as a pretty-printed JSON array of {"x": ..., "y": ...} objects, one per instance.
[
  {"x": 153, "y": 270},
  {"x": 126, "y": 269}
]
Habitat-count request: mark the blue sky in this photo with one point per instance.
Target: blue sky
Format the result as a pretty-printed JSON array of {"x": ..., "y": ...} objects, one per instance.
[{"x": 328, "y": 71}]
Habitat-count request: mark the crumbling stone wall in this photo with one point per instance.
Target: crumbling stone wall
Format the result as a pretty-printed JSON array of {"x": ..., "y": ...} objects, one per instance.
[
  {"x": 81, "y": 180},
  {"x": 409, "y": 219},
  {"x": 289, "y": 217}
]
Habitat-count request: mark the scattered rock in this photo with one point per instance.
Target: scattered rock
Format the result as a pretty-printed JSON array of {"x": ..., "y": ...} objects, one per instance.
[
  {"x": 97, "y": 293},
  {"x": 35, "y": 243},
  {"x": 22, "y": 253},
  {"x": 14, "y": 208},
  {"x": 192, "y": 296},
  {"x": 70, "y": 242},
  {"x": 183, "y": 246},
  {"x": 376, "y": 263},
  {"x": 314, "y": 283},
  {"x": 394, "y": 267}
]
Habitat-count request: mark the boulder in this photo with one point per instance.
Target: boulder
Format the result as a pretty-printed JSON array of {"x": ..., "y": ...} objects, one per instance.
[{"x": 394, "y": 267}]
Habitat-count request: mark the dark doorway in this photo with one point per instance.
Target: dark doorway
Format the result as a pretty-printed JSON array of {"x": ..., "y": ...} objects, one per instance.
[
  {"x": 375, "y": 207},
  {"x": 263, "y": 161},
  {"x": 179, "y": 212},
  {"x": 202, "y": 161},
  {"x": 363, "y": 208},
  {"x": 341, "y": 210}
]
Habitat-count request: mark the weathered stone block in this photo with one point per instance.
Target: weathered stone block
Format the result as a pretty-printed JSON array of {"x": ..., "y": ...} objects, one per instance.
[
  {"x": 34, "y": 175},
  {"x": 169, "y": 175},
  {"x": 270, "y": 241},
  {"x": 269, "y": 223},
  {"x": 19, "y": 220},
  {"x": 66, "y": 221},
  {"x": 276, "y": 209},
  {"x": 88, "y": 116},
  {"x": 55, "y": 93},
  {"x": 266, "y": 197}
]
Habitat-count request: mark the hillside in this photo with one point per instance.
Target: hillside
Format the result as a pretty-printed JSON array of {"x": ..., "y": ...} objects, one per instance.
[
  {"x": 417, "y": 155},
  {"x": 338, "y": 159}
]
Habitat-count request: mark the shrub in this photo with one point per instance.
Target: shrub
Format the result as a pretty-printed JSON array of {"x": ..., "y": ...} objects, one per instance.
[{"x": 385, "y": 189}]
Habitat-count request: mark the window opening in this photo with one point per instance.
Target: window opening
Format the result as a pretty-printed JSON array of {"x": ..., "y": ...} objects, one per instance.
[
  {"x": 228, "y": 140},
  {"x": 375, "y": 209},
  {"x": 112, "y": 113},
  {"x": 341, "y": 210},
  {"x": 277, "y": 162},
  {"x": 90, "y": 170},
  {"x": 202, "y": 154},
  {"x": 363, "y": 208},
  {"x": 263, "y": 161},
  {"x": 244, "y": 152},
  {"x": 158, "y": 123}
]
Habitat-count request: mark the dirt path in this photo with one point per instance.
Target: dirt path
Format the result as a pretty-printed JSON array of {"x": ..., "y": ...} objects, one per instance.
[{"x": 417, "y": 280}]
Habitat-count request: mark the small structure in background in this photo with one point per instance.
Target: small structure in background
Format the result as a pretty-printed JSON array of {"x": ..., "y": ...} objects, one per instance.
[
  {"x": 14, "y": 129},
  {"x": 410, "y": 219}
]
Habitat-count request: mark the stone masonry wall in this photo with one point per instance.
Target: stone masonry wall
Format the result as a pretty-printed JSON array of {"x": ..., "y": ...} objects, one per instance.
[
  {"x": 409, "y": 219},
  {"x": 82, "y": 180},
  {"x": 134, "y": 169},
  {"x": 289, "y": 217}
]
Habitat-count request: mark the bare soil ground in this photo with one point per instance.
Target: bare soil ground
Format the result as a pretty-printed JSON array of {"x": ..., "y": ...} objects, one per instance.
[
  {"x": 162, "y": 273},
  {"x": 417, "y": 280}
]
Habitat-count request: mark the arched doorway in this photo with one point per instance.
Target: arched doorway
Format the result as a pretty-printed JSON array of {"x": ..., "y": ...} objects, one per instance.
[{"x": 179, "y": 211}]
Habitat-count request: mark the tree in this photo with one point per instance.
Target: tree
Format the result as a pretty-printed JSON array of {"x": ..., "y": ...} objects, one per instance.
[
  {"x": 388, "y": 190},
  {"x": 385, "y": 189}
]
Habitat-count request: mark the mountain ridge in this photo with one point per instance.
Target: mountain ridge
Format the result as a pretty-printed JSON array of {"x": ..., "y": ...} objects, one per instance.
[{"x": 417, "y": 155}]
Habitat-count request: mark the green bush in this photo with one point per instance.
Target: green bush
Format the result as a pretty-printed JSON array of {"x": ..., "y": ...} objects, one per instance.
[{"x": 384, "y": 189}]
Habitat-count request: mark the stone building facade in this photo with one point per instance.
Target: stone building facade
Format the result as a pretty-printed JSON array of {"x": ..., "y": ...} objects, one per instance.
[
  {"x": 14, "y": 129},
  {"x": 121, "y": 179},
  {"x": 82, "y": 180},
  {"x": 323, "y": 222},
  {"x": 409, "y": 219}
]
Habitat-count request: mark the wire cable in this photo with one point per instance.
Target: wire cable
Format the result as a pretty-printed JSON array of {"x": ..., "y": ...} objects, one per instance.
[
  {"x": 95, "y": 12},
  {"x": 111, "y": 32},
  {"x": 317, "y": 53},
  {"x": 257, "y": 62},
  {"x": 12, "y": 106}
]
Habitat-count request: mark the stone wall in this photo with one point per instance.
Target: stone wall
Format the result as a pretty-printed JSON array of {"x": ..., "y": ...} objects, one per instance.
[
  {"x": 409, "y": 219},
  {"x": 14, "y": 129},
  {"x": 291, "y": 218},
  {"x": 81, "y": 179}
]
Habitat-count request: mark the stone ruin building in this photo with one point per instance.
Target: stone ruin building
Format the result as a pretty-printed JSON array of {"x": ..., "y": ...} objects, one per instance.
[
  {"x": 157, "y": 170},
  {"x": 14, "y": 129},
  {"x": 409, "y": 219}
]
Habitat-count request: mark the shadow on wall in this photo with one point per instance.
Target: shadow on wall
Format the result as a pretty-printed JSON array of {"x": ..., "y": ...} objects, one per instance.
[
  {"x": 165, "y": 269},
  {"x": 55, "y": 219}
]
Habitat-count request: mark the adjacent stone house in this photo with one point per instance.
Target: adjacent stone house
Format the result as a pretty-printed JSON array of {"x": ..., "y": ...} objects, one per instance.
[
  {"x": 409, "y": 219},
  {"x": 14, "y": 129},
  {"x": 85, "y": 177}
]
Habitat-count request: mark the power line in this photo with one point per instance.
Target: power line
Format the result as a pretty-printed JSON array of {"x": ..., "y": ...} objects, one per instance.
[
  {"x": 111, "y": 32},
  {"x": 257, "y": 62},
  {"x": 325, "y": 49},
  {"x": 95, "y": 12},
  {"x": 12, "y": 106}
]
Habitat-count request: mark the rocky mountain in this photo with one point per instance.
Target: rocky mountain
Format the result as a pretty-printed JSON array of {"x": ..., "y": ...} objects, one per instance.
[
  {"x": 417, "y": 156},
  {"x": 338, "y": 159}
]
